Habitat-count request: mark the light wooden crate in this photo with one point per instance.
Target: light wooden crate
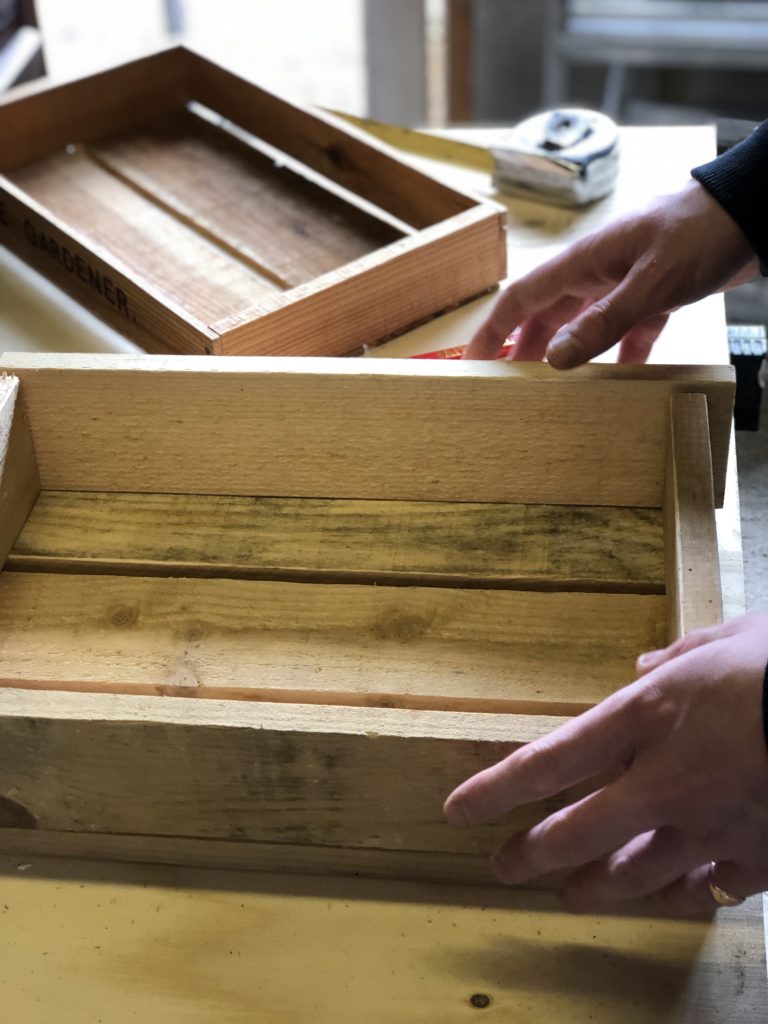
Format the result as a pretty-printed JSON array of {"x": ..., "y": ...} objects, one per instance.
[
  {"x": 198, "y": 213},
  {"x": 375, "y": 577}
]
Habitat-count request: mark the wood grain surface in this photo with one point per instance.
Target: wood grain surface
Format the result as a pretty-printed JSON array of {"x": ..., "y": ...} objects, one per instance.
[
  {"x": 260, "y": 212},
  {"x": 693, "y": 570},
  {"x": 351, "y": 429},
  {"x": 188, "y": 947},
  {"x": 19, "y": 480},
  {"x": 441, "y": 543},
  {"x": 483, "y": 650}
]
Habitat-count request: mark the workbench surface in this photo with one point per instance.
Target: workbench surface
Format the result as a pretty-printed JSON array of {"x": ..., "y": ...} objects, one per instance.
[{"x": 86, "y": 942}]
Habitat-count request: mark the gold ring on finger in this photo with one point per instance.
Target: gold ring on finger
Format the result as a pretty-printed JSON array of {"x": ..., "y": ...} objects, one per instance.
[{"x": 722, "y": 897}]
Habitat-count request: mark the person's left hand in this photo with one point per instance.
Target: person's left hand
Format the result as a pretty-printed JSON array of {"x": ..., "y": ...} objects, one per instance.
[{"x": 686, "y": 748}]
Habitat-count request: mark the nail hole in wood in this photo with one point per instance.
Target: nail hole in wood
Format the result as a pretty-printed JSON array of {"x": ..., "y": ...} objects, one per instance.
[{"x": 480, "y": 1000}]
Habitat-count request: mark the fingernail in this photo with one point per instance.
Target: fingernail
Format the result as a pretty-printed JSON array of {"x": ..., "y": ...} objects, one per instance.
[
  {"x": 559, "y": 350},
  {"x": 648, "y": 658},
  {"x": 456, "y": 813}
]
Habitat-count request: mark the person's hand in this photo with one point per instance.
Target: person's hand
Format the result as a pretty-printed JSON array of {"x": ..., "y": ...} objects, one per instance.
[
  {"x": 685, "y": 748},
  {"x": 620, "y": 284}
]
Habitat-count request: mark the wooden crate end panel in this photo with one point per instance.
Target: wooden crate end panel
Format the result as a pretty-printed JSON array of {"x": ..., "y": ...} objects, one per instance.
[
  {"x": 19, "y": 478},
  {"x": 47, "y": 118}
]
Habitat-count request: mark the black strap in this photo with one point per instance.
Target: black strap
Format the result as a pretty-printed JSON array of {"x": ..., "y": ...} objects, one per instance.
[{"x": 765, "y": 705}]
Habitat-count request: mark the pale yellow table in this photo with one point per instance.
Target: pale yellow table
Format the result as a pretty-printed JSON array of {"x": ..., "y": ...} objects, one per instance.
[{"x": 83, "y": 943}]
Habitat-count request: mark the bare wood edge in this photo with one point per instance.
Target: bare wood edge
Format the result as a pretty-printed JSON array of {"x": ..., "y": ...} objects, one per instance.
[
  {"x": 328, "y": 145},
  {"x": 19, "y": 479},
  {"x": 694, "y": 594},
  {"x": 482, "y": 227},
  {"x": 464, "y": 727},
  {"x": 314, "y": 698},
  {"x": 86, "y": 106},
  {"x": 233, "y": 855},
  {"x": 174, "y": 327}
]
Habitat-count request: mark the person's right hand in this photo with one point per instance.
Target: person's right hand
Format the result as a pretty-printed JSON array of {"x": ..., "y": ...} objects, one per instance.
[
  {"x": 684, "y": 753},
  {"x": 620, "y": 284}
]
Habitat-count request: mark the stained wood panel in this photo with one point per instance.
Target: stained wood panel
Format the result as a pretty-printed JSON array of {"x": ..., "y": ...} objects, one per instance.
[
  {"x": 443, "y": 543},
  {"x": 264, "y": 214}
]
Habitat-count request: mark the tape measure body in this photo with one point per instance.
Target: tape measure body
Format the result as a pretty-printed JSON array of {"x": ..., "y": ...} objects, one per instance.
[{"x": 567, "y": 157}]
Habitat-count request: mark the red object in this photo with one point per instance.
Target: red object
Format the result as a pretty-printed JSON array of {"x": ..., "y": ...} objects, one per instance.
[{"x": 458, "y": 351}]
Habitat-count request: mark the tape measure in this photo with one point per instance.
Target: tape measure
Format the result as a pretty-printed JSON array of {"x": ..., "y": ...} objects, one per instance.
[{"x": 568, "y": 157}]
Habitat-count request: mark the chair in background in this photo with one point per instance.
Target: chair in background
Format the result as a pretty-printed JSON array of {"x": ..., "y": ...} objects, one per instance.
[{"x": 625, "y": 34}]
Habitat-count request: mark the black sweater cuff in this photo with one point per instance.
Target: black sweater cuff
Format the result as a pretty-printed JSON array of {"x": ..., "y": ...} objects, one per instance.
[{"x": 738, "y": 180}]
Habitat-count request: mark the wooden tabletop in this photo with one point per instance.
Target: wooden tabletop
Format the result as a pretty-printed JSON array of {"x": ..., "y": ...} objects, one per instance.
[{"x": 86, "y": 942}]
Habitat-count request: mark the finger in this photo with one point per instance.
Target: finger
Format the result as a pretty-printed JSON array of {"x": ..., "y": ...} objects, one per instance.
[
  {"x": 578, "y": 834},
  {"x": 602, "y": 325},
  {"x": 690, "y": 895},
  {"x": 599, "y": 740},
  {"x": 642, "y": 866},
  {"x": 535, "y": 333},
  {"x": 636, "y": 345},
  {"x": 651, "y": 660},
  {"x": 571, "y": 274}
]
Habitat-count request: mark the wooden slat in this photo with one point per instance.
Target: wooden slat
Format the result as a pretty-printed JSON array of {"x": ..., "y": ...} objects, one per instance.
[
  {"x": 45, "y": 118},
  {"x": 280, "y": 224},
  {"x": 350, "y": 777},
  {"x": 19, "y": 481},
  {"x": 693, "y": 571},
  {"x": 155, "y": 249},
  {"x": 326, "y": 144},
  {"x": 293, "y": 859},
  {"x": 394, "y": 429},
  {"x": 518, "y": 652},
  {"x": 442, "y": 543}
]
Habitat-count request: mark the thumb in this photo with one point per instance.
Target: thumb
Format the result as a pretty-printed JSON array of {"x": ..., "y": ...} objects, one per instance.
[{"x": 600, "y": 326}]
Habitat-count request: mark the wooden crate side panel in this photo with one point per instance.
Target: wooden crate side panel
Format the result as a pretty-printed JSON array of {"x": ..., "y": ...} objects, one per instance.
[
  {"x": 47, "y": 118},
  {"x": 308, "y": 539},
  {"x": 694, "y": 594},
  {"x": 351, "y": 158},
  {"x": 378, "y": 296},
  {"x": 384, "y": 429},
  {"x": 19, "y": 479},
  {"x": 326, "y": 777},
  {"x": 411, "y": 647},
  {"x": 43, "y": 242}
]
